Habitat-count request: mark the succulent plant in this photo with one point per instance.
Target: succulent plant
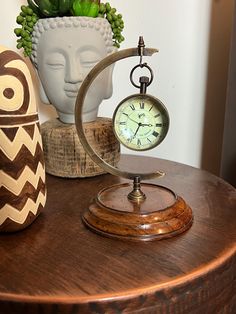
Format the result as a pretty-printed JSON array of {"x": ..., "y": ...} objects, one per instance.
[
  {"x": 50, "y": 8},
  {"x": 37, "y": 9},
  {"x": 85, "y": 8}
]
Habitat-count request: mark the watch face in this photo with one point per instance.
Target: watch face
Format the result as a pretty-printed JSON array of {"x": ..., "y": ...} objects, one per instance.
[{"x": 140, "y": 122}]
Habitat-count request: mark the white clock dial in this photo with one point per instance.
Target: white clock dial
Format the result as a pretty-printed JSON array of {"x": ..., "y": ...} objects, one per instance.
[{"x": 140, "y": 122}]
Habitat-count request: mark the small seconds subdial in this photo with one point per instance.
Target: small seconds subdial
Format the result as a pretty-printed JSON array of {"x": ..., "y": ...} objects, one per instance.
[{"x": 140, "y": 122}]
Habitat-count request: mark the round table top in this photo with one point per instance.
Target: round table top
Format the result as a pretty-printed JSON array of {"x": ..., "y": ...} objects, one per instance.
[{"x": 58, "y": 261}]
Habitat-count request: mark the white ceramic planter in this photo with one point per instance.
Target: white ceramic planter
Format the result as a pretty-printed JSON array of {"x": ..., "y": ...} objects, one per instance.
[{"x": 65, "y": 49}]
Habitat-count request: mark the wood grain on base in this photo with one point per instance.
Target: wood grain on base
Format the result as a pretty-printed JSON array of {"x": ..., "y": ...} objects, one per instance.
[
  {"x": 64, "y": 154},
  {"x": 161, "y": 215}
]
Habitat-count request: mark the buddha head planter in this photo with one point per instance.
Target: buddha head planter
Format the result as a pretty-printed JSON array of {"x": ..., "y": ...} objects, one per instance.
[
  {"x": 65, "y": 39},
  {"x": 64, "y": 51}
]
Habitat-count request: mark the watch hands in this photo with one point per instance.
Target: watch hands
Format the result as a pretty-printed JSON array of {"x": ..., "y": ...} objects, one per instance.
[
  {"x": 140, "y": 124},
  {"x": 133, "y": 120},
  {"x": 137, "y": 129},
  {"x": 144, "y": 124}
]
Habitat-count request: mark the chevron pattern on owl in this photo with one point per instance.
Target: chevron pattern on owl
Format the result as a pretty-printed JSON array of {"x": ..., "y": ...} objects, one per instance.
[{"x": 22, "y": 168}]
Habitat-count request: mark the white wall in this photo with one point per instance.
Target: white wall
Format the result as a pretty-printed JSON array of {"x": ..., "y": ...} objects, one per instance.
[{"x": 181, "y": 30}]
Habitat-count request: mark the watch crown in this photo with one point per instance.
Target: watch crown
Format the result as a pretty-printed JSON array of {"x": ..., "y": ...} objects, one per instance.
[{"x": 143, "y": 80}]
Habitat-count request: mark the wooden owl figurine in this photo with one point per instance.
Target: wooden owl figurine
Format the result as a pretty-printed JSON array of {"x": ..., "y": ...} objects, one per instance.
[{"x": 22, "y": 170}]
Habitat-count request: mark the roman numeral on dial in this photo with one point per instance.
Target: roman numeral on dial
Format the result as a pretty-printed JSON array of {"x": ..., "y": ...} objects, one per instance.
[{"x": 155, "y": 134}]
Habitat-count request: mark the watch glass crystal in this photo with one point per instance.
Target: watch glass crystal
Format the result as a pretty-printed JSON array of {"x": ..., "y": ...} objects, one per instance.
[{"x": 140, "y": 122}]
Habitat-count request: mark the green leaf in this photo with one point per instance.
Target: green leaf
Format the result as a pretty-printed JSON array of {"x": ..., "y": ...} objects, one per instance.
[
  {"x": 18, "y": 31},
  {"x": 77, "y": 8},
  {"x": 64, "y": 6},
  {"x": 34, "y": 7},
  {"x": 47, "y": 8}
]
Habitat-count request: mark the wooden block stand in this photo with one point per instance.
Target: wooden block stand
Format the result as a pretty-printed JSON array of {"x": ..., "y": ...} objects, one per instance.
[{"x": 64, "y": 154}]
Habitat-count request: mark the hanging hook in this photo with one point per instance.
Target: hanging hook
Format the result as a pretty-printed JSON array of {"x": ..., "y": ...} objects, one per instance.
[
  {"x": 143, "y": 65},
  {"x": 141, "y": 47}
]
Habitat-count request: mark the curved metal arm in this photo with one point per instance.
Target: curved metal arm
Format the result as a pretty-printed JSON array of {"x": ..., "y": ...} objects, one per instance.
[{"x": 126, "y": 53}]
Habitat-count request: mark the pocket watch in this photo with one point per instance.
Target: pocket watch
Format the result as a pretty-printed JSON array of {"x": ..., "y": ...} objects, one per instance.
[
  {"x": 139, "y": 211},
  {"x": 140, "y": 122}
]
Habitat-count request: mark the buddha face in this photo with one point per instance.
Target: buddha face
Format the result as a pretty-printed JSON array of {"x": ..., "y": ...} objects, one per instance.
[{"x": 64, "y": 58}]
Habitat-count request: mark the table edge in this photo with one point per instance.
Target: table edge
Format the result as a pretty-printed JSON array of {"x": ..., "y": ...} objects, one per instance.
[{"x": 201, "y": 271}]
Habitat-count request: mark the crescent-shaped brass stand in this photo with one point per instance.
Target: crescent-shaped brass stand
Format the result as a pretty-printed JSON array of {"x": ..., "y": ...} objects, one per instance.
[{"x": 125, "y": 211}]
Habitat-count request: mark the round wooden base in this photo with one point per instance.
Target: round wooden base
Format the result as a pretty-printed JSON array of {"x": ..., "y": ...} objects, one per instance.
[
  {"x": 161, "y": 215},
  {"x": 64, "y": 154}
]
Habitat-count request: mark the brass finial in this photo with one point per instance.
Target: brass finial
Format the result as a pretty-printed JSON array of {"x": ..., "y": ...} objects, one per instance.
[
  {"x": 136, "y": 195},
  {"x": 141, "y": 46}
]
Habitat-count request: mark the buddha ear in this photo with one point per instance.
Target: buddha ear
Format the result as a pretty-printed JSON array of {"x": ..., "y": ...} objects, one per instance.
[
  {"x": 42, "y": 94},
  {"x": 109, "y": 88}
]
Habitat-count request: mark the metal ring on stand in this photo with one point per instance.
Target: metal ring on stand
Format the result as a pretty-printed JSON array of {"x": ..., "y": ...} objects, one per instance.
[{"x": 141, "y": 65}]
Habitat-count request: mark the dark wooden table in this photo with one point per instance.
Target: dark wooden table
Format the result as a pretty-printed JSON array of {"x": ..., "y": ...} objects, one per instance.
[{"x": 58, "y": 266}]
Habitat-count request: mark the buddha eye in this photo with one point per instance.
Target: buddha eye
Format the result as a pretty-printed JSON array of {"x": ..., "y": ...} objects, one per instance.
[
  {"x": 89, "y": 58},
  {"x": 56, "y": 65},
  {"x": 89, "y": 64},
  {"x": 55, "y": 61}
]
